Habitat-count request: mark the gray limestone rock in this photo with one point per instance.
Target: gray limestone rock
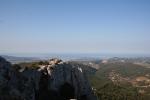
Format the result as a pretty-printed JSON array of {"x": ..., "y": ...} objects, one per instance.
[{"x": 56, "y": 81}]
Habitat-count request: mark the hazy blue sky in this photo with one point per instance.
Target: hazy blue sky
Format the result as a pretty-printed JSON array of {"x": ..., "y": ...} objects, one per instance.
[{"x": 75, "y": 26}]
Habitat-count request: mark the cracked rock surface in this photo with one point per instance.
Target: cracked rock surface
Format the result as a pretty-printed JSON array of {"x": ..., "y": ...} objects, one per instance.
[{"x": 57, "y": 80}]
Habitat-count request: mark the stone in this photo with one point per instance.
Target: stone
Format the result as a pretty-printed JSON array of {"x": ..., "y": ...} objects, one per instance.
[{"x": 56, "y": 81}]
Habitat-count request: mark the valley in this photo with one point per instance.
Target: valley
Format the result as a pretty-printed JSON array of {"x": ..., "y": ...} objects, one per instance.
[{"x": 128, "y": 77}]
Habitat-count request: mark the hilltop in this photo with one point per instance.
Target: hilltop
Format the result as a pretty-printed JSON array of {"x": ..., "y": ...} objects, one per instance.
[{"x": 53, "y": 80}]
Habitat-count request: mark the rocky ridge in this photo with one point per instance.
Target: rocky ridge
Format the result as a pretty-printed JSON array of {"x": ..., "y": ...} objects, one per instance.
[{"x": 57, "y": 80}]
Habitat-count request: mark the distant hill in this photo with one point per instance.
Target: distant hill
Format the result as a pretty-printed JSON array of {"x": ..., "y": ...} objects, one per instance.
[
  {"x": 124, "y": 79},
  {"x": 14, "y": 59},
  {"x": 120, "y": 78}
]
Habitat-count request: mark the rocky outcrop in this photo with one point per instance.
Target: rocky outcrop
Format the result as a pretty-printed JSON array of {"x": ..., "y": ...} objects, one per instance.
[{"x": 57, "y": 80}]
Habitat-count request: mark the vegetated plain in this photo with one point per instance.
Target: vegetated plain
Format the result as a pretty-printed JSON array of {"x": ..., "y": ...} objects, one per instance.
[{"x": 120, "y": 78}]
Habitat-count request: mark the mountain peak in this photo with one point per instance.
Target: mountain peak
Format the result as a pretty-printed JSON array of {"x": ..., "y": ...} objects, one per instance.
[{"x": 56, "y": 80}]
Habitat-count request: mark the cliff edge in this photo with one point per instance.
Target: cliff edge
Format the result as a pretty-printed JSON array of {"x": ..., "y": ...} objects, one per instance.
[{"x": 56, "y": 80}]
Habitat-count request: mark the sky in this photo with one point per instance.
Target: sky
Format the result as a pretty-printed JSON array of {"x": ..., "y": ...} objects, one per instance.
[{"x": 75, "y": 26}]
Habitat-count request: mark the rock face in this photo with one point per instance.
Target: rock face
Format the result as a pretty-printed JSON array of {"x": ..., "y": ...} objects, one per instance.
[{"x": 57, "y": 80}]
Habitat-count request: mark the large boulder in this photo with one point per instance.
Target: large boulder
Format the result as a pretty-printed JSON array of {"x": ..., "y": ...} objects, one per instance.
[{"x": 57, "y": 80}]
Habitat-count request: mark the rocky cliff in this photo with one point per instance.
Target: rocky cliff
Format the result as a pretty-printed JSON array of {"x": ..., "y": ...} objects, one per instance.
[{"x": 56, "y": 80}]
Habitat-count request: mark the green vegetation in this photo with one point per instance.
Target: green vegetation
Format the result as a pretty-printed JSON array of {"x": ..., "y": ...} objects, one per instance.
[
  {"x": 111, "y": 91},
  {"x": 30, "y": 65},
  {"x": 125, "y": 69},
  {"x": 105, "y": 89}
]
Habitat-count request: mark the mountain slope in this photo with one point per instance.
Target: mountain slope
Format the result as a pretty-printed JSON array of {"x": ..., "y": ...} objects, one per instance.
[{"x": 56, "y": 80}]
